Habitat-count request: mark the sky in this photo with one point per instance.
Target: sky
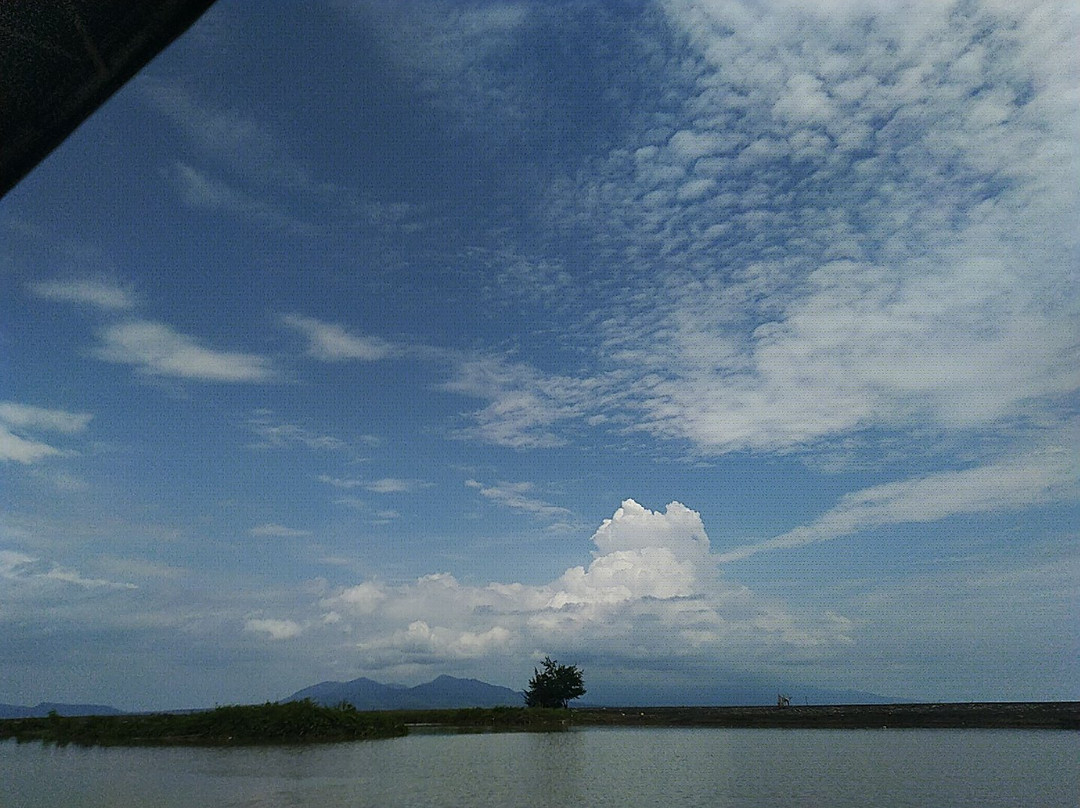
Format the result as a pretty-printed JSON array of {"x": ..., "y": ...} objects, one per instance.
[{"x": 704, "y": 345}]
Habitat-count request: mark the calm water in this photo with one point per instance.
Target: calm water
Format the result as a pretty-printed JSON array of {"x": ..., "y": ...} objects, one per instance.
[{"x": 588, "y": 767}]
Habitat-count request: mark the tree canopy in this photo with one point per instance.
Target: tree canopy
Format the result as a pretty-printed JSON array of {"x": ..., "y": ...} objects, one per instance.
[{"x": 554, "y": 686}]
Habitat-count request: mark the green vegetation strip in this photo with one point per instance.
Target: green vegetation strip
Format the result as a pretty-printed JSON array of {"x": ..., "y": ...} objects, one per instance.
[
  {"x": 306, "y": 722},
  {"x": 292, "y": 722}
]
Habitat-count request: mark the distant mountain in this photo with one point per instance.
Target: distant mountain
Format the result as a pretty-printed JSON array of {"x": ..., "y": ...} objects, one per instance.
[
  {"x": 43, "y": 709},
  {"x": 741, "y": 692},
  {"x": 445, "y": 692}
]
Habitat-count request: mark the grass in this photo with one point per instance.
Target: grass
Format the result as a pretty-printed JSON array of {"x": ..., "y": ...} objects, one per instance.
[{"x": 270, "y": 723}]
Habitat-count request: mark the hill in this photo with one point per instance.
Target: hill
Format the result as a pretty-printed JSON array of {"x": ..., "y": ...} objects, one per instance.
[{"x": 445, "y": 692}]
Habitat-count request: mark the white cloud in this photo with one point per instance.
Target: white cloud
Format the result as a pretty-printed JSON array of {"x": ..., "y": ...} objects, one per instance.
[
  {"x": 274, "y": 433},
  {"x": 200, "y": 190},
  {"x": 862, "y": 347},
  {"x": 11, "y": 562},
  {"x": 26, "y": 570},
  {"x": 515, "y": 495},
  {"x": 541, "y": 280},
  {"x": 157, "y": 349},
  {"x": 22, "y": 448},
  {"x": 419, "y": 640},
  {"x": 386, "y": 485},
  {"x": 248, "y": 169},
  {"x": 446, "y": 48},
  {"x": 274, "y": 629},
  {"x": 696, "y": 189},
  {"x": 394, "y": 485},
  {"x": 141, "y": 568},
  {"x": 634, "y": 527},
  {"x": 687, "y": 146},
  {"x": 248, "y": 148},
  {"x": 525, "y": 406},
  {"x": 363, "y": 598},
  {"x": 352, "y": 502},
  {"x": 1048, "y": 475},
  {"x": 332, "y": 343},
  {"x": 216, "y": 130},
  {"x": 376, "y": 516},
  {"x": 24, "y": 415},
  {"x": 278, "y": 531},
  {"x": 651, "y": 592},
  {"x": 862, "y": 217},
  {"x": 626, "y": 575},
  {"x": 338, "y": 482},
  {"x": 102, "y": 294},
  {"x": 61, "y": 480}
]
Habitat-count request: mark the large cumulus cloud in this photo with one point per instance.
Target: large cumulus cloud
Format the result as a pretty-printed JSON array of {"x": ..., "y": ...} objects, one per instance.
[{"x": 652, "y": 591}]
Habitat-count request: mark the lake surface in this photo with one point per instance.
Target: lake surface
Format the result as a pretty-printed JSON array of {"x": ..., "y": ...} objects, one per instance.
[{"x": 591, "y": 767}]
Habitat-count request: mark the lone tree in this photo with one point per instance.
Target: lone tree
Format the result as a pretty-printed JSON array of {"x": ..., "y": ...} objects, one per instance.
[{"x": 554, "y": 686}]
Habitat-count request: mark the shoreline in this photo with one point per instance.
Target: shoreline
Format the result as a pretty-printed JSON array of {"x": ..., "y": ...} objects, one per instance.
[
  {"x": 968, "y": 715},
  {"x": 301, "y": 722},
  {"x": 305, "y": 722}
]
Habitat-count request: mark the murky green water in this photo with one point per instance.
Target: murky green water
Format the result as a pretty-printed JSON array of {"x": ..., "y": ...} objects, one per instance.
[{"x": 588, "y": 767}]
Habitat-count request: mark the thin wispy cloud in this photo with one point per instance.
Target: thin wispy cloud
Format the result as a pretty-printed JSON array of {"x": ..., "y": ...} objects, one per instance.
[
  {"x": 274, "y": 433},
  {"x": 154, "y": 348},
  {"x": 524, "y": 403},
  {"x": 384, "y": 485},
  {"x": 274, "y": 530},
  {"x": 23, "y": 450},
  {"x": 246, "y": 167},
  {"x": 98, "y": 293},
  {"x": 340, "y": 482},
  {"x": 62, "y": 481},
  {"x": 353, "y": 502},
  {"x": 1049, "y": 475},
  {"x": 159, "y": 350},
  {"x": 330, "y": 342},
  {"x": 274, "y": 629},
  {"x": 372, "y": 514},
  {"x": 394, "y": 485},
  {"x": 245, "y": 145},
  {"x": 200, "y": 190},
  {"x": 52, "y": 420},
  {"x": 446, "y": 53},
  {"x": 26, "y": 570},
  {"x": 19, "y": 422},
  {"x": 516, "y": 496},
  {"x": 527, "y": 409}
]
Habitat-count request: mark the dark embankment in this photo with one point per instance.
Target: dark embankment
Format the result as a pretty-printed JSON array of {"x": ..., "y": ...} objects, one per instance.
[
  {"x": 1014, "y": 715},
  {"x": 488, "y": 718},
  {"x": 293, "y": 722},
  {"x": 988, "y": 715},
  {"x": 306, "y": 722}
]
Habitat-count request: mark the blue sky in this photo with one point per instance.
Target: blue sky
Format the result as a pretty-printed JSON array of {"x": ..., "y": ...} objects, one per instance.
[{"x": 699, "y": 344}]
